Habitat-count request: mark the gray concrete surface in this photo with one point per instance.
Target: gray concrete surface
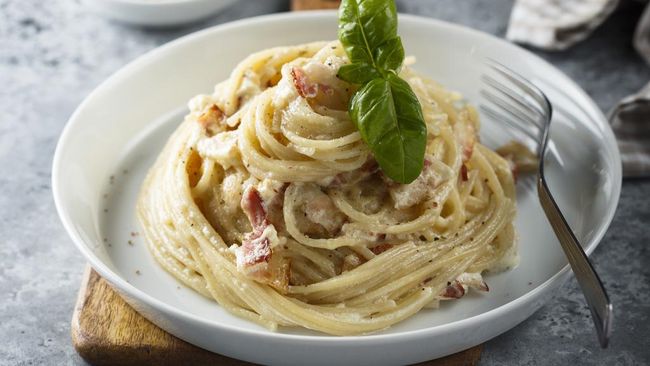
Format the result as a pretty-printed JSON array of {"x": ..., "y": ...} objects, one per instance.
[{"x": 53, "y": 53}]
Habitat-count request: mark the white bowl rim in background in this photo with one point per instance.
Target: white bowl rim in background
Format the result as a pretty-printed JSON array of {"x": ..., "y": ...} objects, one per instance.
[{"x": 158, "y": 13}]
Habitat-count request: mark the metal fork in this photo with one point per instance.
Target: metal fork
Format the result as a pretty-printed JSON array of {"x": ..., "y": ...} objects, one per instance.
[{"x": 510, "y": 98}]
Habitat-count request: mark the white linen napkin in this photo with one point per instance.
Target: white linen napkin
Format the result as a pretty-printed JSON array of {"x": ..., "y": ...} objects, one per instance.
[{"x": 557, "y": 25}]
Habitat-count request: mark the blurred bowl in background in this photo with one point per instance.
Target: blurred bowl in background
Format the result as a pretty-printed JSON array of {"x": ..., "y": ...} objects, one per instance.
[{"x": 158, "y": 13}]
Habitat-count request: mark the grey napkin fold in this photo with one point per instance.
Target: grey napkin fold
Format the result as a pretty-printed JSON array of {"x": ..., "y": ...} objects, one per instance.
[
  {"x": 630, "y": 121},
  {"x": 556, "y": 24},
  {"x": 559, "y": 24}
]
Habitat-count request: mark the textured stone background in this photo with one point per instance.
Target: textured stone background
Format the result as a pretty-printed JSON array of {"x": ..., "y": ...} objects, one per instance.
[{"x": 53, "y": 53}]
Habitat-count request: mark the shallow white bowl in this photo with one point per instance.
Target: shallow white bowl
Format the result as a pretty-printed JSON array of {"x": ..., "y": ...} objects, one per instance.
[
  {"x": 158, "y": 13},
  {"x": 120, "y": 128}
]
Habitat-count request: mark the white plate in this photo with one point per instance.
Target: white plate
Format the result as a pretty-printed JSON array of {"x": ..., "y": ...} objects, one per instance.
[
  {"x": 123, "y": 124},
  {"x": 158, "y": 13}
]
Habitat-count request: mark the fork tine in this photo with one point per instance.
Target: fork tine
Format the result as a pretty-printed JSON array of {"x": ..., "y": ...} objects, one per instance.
[
  {"x": 512, "y": 96},
  {"x": 517, "y": 130},
  {"x": 521, "y": 82},
  {"x": 512, "y": 110}
]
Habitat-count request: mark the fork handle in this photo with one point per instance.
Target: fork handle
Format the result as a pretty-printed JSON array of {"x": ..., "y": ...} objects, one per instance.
[{"x": 592, "y": 287}]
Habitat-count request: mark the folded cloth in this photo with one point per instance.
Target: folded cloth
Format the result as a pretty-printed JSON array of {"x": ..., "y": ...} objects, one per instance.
[
  {"x": 556, "y": 24},
  {"x": 630, "y": 121},
  {"x": 642, "y": 35}
]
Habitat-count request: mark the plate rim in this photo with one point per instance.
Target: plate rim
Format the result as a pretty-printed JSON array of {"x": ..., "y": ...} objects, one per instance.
[{"x": 126, "y": 288}]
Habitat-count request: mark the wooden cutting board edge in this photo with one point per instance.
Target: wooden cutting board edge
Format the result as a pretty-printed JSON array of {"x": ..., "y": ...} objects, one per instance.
[{"x": 107, "y": 331}]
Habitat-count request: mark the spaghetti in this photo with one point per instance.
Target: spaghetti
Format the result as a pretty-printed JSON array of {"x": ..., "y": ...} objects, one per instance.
[{"x": 266, "y": 200}]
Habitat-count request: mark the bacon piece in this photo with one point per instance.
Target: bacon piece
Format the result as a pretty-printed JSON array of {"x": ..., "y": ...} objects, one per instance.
[
  {"x": 305, "y": 87},
  {"x": 255, "y": 255},
  {"x": 255, "y": 251},
  {"x": 454, "y": 290},
  {"x": 328, "y": 90},
  {"x": 212, "y": 119},
  {"x": 463, "y": 173},
  {"x": 458, "y": 287},
  {"x": 378, "y": 249},
  {"x": 272, "y": 194},
  {"x": 253, "y": 207}
]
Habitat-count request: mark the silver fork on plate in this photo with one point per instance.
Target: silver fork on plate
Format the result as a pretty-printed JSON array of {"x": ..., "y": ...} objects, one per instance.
[{"x": 510, "y": 98}]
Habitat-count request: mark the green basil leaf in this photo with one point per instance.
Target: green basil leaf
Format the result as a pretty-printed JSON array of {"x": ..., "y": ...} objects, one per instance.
[
  {"x": 411, "y": 125},
  {"x": 385, "y": 109},
  {"x": 390, "y": 54},
  {"x": 364, "y": 25},
  {"x": 358, "y": 73},
  {"x": 389, "y": 118}
]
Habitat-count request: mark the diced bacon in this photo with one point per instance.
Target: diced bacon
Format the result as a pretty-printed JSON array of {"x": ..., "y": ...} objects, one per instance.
[
  {"x": 256, "y": 249},
  {"x": 303, "y": 85},
  {"x": 328, "y": 90},
  {"x": 463, "y": 173},
  {"x": 378, "y": 249},
  {"x": 253, "y": 207},
  {"x": 407, "y": 195},
  {"x": 272, "y": 194},
  {"x": 459, "y": 287},
  {"x": 466, "y": 136},
  {"x": 454, "y": 290},
  {"x": 332, "y": 92},
  {"x": 212, "y": 119}
]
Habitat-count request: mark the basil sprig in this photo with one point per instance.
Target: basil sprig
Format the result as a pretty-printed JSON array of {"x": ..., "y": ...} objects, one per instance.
[{"x": 385, "y": 109}]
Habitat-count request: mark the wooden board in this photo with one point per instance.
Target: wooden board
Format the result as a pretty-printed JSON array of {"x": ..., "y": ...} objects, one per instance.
[
  {"x": 107, "y": 331},
  {"x": 314, "y": 4}
]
